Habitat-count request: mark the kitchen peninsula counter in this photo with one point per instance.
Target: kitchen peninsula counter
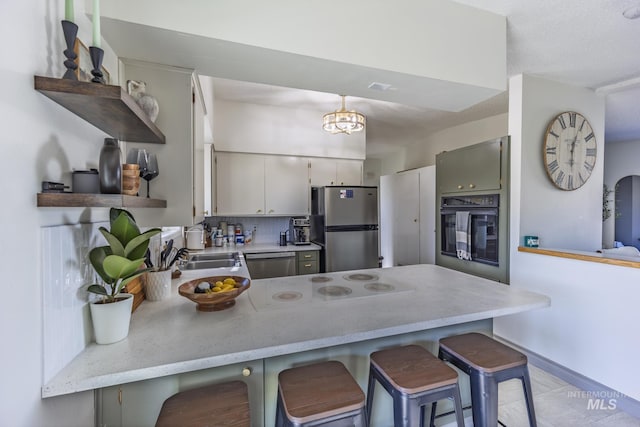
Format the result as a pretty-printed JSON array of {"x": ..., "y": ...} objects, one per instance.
[{"x": 170, "y": 337}]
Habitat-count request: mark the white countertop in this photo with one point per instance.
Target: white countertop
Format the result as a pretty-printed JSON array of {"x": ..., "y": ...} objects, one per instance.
[{"x": 171, "y": 337}]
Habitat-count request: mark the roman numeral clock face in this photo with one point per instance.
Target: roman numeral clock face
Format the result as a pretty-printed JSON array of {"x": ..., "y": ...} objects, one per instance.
[{"x": 569, "y": 150}]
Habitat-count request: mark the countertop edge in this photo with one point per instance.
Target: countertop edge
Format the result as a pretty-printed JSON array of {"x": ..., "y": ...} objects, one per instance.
[
  {"x": 621, "y": 261},
  {"x": 57, "y": 388}
]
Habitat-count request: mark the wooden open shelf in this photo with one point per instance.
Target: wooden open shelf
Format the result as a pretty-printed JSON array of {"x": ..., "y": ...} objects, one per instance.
[
  {"x": 107, "y": 107},
  {"x": 81, "y": 200}
]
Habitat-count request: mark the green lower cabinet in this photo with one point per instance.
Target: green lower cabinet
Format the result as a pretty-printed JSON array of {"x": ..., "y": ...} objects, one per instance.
[
  {"x": 307, "y": 262},
  {"x": 139, "y": 403}
]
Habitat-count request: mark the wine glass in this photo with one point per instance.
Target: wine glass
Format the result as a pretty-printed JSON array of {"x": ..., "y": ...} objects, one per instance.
[
  {"x": 151, "y": 170},
  {"x": 143, "y": 161},
  {"x": 132, "y": 156}
]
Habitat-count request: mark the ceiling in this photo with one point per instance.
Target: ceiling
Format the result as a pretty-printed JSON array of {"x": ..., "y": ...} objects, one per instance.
[{"x": 588, "y": 43}]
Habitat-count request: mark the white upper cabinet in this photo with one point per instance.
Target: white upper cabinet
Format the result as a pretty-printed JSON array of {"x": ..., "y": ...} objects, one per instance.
[
  {"x": 323, "y": 171},
  {"x": 348, "y": 172},
  {"x": 255, "y": 184},
  {"x": 286, "y": 185},
  {"x": 239, "y": 184}
]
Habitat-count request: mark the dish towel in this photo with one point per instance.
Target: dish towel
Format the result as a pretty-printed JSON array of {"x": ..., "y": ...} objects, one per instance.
[{"x": 463, "y": 235}]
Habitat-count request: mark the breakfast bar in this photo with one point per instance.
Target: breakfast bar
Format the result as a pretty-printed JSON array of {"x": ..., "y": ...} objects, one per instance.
[{"x": 280, "y": 322}]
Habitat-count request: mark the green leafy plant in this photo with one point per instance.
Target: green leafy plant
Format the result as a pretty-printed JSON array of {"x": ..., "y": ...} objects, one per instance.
[{"x": 119, "y": 262}]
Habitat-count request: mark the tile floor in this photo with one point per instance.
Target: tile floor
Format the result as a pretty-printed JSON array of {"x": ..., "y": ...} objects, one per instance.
[{"x": 557, "y": 404}]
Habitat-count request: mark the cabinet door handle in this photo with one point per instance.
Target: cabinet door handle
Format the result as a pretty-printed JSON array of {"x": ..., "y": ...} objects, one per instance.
[
  {"x": 472, "y": 186},
  {"x": 460, "y": 187},
  {"x": 246, "y": 372},
  {"x": 270, "y": 210},
  {"x": 307, "y": 266},
  {"x": 259, "y": 210},
  {"x": 309, "y": 256}
]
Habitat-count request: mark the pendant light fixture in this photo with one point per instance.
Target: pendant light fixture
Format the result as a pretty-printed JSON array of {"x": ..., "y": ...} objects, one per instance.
[{"x": 343, "y": 121}]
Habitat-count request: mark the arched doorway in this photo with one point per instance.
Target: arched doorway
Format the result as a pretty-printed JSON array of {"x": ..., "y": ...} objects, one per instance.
[{"x": 627, "y": 211}]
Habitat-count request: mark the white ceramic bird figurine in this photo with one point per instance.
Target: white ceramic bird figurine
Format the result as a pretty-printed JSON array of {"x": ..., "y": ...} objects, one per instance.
[{"x": 138, "y": 91}]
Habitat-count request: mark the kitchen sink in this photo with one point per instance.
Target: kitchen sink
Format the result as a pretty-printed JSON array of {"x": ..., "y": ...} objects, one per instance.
[
  {"x": 211, "y": 263},
  {"x": 214, "y": 257}
]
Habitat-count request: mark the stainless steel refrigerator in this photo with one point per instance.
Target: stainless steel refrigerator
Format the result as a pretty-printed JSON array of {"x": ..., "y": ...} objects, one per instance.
[{"x": 344, "y": 221}]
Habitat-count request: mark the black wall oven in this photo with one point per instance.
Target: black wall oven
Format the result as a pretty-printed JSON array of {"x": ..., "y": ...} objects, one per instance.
[{"x": 483, "y": 226}]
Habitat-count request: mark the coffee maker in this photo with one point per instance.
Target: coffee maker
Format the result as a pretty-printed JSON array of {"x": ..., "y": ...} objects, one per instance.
[{"x": 299, "y": 230}]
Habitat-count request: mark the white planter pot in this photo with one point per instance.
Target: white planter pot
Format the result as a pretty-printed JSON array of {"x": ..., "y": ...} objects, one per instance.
[
  {"x": 111, "y": 321},
  {"x": 158, "y": 285}
]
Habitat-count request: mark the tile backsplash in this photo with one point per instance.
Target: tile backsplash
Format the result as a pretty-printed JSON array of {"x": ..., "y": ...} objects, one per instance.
[
  {"x": 66, "y": 273},
  {"x": 267, "y": 228}
]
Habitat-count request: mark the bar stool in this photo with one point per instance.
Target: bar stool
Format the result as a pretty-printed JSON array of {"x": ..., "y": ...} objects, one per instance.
[
  {"x": 319, "y": 394},
  {"x": 413, "y": 377},
  {"x": 224, "y": 404},
  {"x": 487, "y": 362}
]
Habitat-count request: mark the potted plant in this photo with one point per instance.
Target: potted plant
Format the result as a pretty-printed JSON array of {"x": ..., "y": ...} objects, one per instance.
[{"x": 117, "y": 264}]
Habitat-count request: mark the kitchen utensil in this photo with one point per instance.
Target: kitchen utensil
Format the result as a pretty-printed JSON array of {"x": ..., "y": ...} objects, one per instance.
[
  {"x": 214, "y": 301},
  {"x": 164, "y": 255},
  {"x": 181, "y": 253},
  {"x": 147, "y": 259}
]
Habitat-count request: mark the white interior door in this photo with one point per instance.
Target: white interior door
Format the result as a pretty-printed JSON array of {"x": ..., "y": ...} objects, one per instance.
[{"x": 406, "y": 217}]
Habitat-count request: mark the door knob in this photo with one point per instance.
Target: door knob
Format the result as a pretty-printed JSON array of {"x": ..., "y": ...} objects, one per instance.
[{"x": 246, "y": 372}]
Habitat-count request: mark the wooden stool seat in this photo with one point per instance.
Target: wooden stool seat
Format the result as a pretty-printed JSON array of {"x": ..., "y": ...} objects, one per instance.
[
  {"x": 487, "y": 362},
  {"x": 224, "y": 404},
  {"x": 322, "y": 391},
  {"x": 483, "y": 353},
  {"x": 412, "y": 369},
  {"x": 413, "y": 377}
]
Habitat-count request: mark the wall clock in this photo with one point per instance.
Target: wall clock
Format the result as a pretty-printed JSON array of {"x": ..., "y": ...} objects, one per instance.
[{"x": 569, "y": 150}]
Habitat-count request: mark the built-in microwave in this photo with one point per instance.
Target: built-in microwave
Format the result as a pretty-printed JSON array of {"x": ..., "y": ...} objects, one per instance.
[{"x": 482, "y": 226}]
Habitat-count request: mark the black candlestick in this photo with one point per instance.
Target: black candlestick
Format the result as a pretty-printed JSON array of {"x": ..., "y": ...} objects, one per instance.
[
  {"x": 96, "y": 55},
  {"x": 70, "y": 31}
]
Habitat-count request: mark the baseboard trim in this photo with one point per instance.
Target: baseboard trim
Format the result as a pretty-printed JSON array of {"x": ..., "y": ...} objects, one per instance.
[{"x": 623, "y": 402}]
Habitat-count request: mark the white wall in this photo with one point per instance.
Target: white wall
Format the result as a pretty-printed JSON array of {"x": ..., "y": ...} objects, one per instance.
[
  {"x": 621, "y": 159},
  {"x": 474, "y": 55},
  {"x": 250, "y": 128},
  {"x": 562, "y": 219},
  {"x": 424, "y": 152},
  {"x": 41, "y": 141},
  {"x": 584, "y": 329}
]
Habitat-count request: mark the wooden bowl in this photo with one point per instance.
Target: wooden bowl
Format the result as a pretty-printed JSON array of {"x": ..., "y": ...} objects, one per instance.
[
  {"x": 130, "y": 166},
  {"x": 130, "y": 173},
  {"x": 130, "y": 185},
  {"x": 214, "y": 301}
]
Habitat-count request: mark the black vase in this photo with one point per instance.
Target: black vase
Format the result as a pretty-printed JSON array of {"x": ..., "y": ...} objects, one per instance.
[{"x": 110, "y": 167}]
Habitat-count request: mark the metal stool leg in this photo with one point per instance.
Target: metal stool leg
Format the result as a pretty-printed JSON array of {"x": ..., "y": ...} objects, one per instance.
[
  {"x": 279, "y": 416},
  {"x": 484, "y": 400},
  {"x": 370, "y": 389},
  {"x": 457, "y": 405},
  {"x": 432, "y": 421},
  {"x": 528, "y": 396},
  {"x": 405, "y": 412}
]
